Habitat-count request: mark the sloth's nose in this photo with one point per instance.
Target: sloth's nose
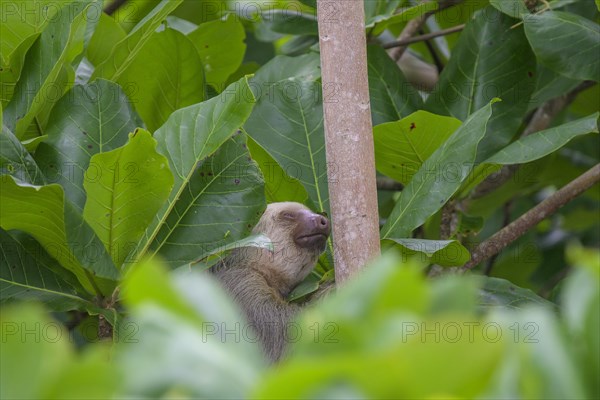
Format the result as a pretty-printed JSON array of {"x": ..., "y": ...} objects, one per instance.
[{"x": 322, "y": 224}]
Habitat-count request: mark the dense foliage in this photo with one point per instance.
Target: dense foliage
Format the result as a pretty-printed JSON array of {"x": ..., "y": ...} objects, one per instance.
[{"x": 135, "y": 144}]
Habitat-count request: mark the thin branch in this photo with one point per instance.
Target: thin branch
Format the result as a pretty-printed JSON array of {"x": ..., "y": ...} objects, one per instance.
[
  {"x": 541, "y": 120},
  {"x": 434, "y": 55},
  {"x": 534, "y": 216},
  {"x": 422, "y": 38},
  {"x": 414, "y": 25},
  {"x": 114, "y": 6},
  {"x": 505, "y": 221}
]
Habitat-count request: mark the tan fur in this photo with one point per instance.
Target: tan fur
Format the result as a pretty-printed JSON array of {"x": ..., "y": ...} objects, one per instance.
[{"x": 260, "y": 280}]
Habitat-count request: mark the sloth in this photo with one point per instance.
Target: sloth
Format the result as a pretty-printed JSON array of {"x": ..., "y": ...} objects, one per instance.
[{"x": 260, "y": 280}]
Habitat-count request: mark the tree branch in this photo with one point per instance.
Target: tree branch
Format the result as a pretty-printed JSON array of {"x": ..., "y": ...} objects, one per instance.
[
  {"x": 532, "y": 217},
  {"x": 415, "y": 25},
  {"x": 421, "y": 38}
]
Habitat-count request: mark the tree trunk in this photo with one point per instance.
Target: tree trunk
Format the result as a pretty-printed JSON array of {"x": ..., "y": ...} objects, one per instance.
[{"x": 348, "y": 135}]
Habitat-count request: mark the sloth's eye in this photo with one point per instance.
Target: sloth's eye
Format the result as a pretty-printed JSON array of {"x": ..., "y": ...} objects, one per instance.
[{"x": 287, "y": 215}]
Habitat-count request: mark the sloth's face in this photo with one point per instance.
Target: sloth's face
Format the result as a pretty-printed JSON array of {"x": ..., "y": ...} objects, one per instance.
[
  {"x": 299, "y": 236},
  {"x": 310, "y": 230}
]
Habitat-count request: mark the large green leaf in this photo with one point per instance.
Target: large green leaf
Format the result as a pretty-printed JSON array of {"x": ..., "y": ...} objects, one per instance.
[
  {"x": 164, "y": 75},
  {"x": 490, "y": 60},
  {"x": 531, "y": 148},
  {"x": 91, "y": 118},
  {"x": 11, "y": 69},
  {"x": 290, "y": 21},
  {"x": 213, "y": 257},
  {"x": 392, "y": 97},
  {"x": 438, "y": 178},
  {"x": 279, "y": 186},
  {"x": 19, "y": 29},
  {"x": 443, "y": 252},
  {"x": 16, "y": 161},
  {"x": 518, "y": 9},
  {"x": 496, "y": 292},
  {"x": 549, "y": 85},
  {"x": 28, "y": 276},
  {"x": 107, "y": 34},
  {"x": 540, "y": 144},
  {"x": 42, "y": 212},
  {"x": 189, "y": 136},
  {"x": 375, "y": 11},
  {"x": 224, "y": 199},
  {"x": 181, "y": 319},
  {"x": 221, "y": 47},
  {"x": 514, "y": 8},
  {"x": 43, "y": 363},
  {"x": 128, "y": 187},
  {"x": 40, "y": 85},
  {"x": 581, "y": 299},
  {"x": 402, "y": 15},
  {"x": 287, "y": 121},
  {"x": 125, "y": 52},
  {"x": 574, "y": 46},
  {"x": 401, "y": 147}
]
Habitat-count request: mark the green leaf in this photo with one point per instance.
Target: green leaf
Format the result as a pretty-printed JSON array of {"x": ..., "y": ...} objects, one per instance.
[
  {"x": 221, "y": 47},
  {"x": 107, "y": 34},
  {"x": 197, "y": 200},
  {"x": 385, "y": 286},
  {"x": 45, "y": 355},
  {"x": 531, "y": 148},
  {"x": 392, "y": 97},
  {"x": 402, "y": 15},
  {"x": 22, "y": 23},
  {"x": 550, "y": 85},
  {"x": 401, "y": 147},
  {"x": 540, "y": 144},
  {"x": 19, "y": 22},
  {"x": 91, "y": 118},
  {"x": 28, "y": 276},
  {"x": 59, "y": 44},
  {"x": 488, "y": 44},
  {"x": 181, "y": 322},
  {"x": 581, "y": 300},
  {"x": 290, "y": 21},
  {"x": 260, "y": 241},
  {"x": 438, "y": 178},
  {"x": 376, "y": 11},
  {"x": 447, "y": 253},
  {"x": 566, "y": 43},
  {"x": 125, "y": 52},
  {"x": 28, "y": 364},
  {"x": 496, "y": 292},
  {"x": 279, "y": 186},
  {"x": 543, "y": 363},
  {"x": 16, "y": 161},
  {"x": 287, "y": 121},
  {"x": 514, "y": 8},
  {"x": 131, "y": 185},
  {"x": 42, "y": 212},
  {"x": 223, "y": 201},
  {"x": 164, "y": 76},
  {"x": 10, "y": 70}
]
